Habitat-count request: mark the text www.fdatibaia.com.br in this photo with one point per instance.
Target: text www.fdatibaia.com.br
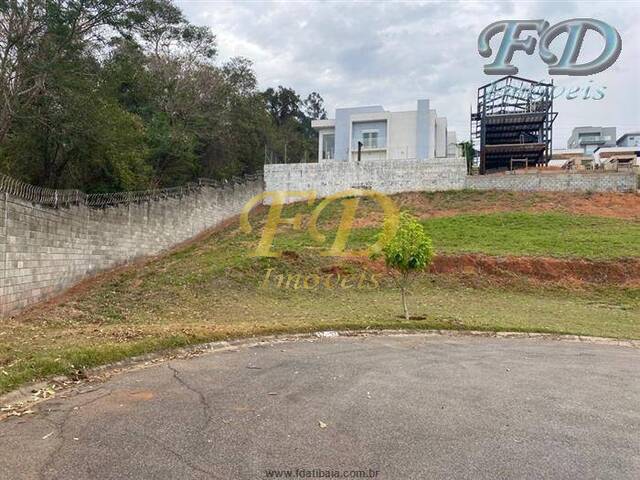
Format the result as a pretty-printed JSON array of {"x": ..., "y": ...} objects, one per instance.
[{"x": 321, "y": 473}]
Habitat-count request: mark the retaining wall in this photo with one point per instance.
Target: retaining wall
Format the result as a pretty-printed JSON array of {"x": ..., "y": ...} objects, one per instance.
[
  {"x": 394, "y": 176},
  {"x": 45, "y": 250},
  {"x": 388, "y": 176},
  {"x": 557, "y": 182}
]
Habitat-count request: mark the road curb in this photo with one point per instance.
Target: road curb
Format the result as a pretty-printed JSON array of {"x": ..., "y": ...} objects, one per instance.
[{"x": 17, "y": 402}]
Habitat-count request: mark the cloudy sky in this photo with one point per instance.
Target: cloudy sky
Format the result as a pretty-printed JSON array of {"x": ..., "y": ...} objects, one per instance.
[{"x": 392, "y": 53}]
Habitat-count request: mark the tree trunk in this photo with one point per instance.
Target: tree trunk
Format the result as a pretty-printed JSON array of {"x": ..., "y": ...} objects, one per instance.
[{"x": 404, "y": 303}]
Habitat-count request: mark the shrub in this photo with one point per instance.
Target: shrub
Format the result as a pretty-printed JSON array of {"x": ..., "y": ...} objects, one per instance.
[{"x": 409, "y": 251}]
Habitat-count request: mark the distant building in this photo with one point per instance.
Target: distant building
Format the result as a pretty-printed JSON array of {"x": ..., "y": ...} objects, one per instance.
[
  {"x": 589, "y": 139},
  {"x": 613, "y": 157},
  {"x": 412, "y": 135},
  {"x": 453, "y": 149},
  {"x": 626, "y": 152},
  {"x": 513, "y": 123},
  {"x": 574, "y": 159},
  {"x": 629, "y": 140}
]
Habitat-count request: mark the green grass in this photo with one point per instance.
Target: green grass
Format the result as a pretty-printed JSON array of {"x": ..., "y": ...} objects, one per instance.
[
  {"x": 540, "y": 234},
  {"x": 514, "y": 233},
  {"x": 186, "y": 312},
  {"x": 212, "y": 290}
]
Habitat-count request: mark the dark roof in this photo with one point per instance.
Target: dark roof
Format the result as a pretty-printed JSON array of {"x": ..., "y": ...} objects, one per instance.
[{"x": 627, "y": 134}]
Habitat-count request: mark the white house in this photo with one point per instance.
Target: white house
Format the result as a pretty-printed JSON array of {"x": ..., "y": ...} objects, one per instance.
[
  {"x": 412, "y": 135},
  {"x": 631, "y": 139},
  {"x": 610, "y": 157},
  {"x": 626, "y": 150}
]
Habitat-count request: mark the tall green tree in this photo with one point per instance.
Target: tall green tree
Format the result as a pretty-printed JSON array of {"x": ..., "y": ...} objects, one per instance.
[
  {"x": 314, "y": 107},
  {"x": 107, "y": 95},
  {"x": 293, "y": 116},
  {"x": 283, "y": 104}
]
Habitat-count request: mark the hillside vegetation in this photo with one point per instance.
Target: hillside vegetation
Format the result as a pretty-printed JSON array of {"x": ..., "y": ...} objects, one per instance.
[
  {"x": 214, "y": 289},
  {"x": 117, "y": 95}
]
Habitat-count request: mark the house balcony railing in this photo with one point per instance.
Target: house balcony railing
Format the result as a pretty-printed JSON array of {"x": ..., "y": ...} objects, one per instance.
[
  {"x": 390, "y": 153},
  {"x": 591, "y": 140}
]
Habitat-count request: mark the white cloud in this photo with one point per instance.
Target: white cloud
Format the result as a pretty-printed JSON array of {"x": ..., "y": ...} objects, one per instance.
[{"x": 362, "y": 53}]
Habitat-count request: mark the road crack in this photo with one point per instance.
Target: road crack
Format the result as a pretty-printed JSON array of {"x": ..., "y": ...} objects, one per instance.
[{"x": 206, "y": 408}]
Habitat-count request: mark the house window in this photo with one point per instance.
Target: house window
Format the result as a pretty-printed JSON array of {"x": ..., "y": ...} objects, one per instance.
[
  {"x": 590, "y": 138},
  {"x": 328, "y": 146},
  {"x": 370, "y": 139}
]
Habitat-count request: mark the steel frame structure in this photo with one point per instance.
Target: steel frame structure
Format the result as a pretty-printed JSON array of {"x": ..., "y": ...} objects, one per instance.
[{"x": 513, "y": 120}]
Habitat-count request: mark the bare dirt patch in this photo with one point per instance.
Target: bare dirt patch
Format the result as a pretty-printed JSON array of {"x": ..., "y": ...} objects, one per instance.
[
  {"x": 439, "y": 204},
  {"x": 568, "y": 272},
  {"x": 625, "y": 272},
  {"x": 618, "y": 205}
]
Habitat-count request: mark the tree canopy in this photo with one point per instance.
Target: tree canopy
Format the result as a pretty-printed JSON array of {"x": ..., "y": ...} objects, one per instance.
[{"x": 108, "y": 95}]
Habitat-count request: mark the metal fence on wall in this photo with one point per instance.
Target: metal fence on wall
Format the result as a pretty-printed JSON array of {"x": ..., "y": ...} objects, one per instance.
[{"x": 65, "y": 198}]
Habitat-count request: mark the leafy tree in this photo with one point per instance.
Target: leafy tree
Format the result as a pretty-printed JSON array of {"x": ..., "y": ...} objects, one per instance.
[
  {"x": 292, "y": 117},
  {"x": 79, "y": 139},
  {"x": 238, "y": 72},
  {"x": 469, "y": 152},
  {"x": 314, "y": 107},
  {"x": 36, "y": 36},
  {"x": 283, "y": 104},
  {"x": 162, "y": 29},
  {"x": 106, "y": 95},
  {"x": 125, "y": 76},
  {"x": 409, "y": 251},
  {"x": 313, "y": 110},
  {"x": 172, "y": 152}
]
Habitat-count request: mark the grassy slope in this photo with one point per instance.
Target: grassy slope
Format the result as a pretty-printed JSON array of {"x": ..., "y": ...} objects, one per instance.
[
  {"x": 545, "y": 234},
  {"x": 212, "y": 290},
  {"x": 552, "y": 233},
  {"x": 538, "y": 234}
]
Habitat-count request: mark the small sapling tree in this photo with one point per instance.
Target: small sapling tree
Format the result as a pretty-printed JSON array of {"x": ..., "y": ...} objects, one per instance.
[{"x": 409, "y": 251}]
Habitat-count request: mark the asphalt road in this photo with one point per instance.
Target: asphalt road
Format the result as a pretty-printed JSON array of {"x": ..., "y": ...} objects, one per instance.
[{"x": 406, "y": 407}]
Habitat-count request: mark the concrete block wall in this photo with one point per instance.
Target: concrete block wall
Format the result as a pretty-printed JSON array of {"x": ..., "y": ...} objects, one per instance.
[
  {"x": 395, "y": 176},
  {"x": 388, "y": 176},
  {"x": 45, "y": 250},
  {"x": 557, "y": 182}
]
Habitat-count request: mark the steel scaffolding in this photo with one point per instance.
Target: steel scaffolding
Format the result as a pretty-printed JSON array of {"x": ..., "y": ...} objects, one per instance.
[{"x": 513, "y": 123}]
